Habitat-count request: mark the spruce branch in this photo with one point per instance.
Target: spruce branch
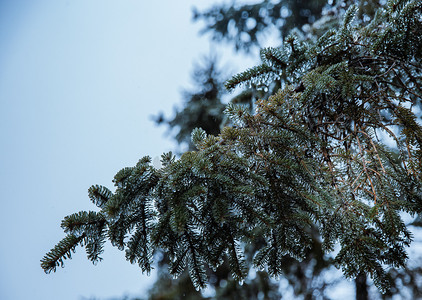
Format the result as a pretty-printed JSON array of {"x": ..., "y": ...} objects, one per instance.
[
  {"x": 83, "y": 222},
  {"x": 251, "y": 76},
  {"x": 99, "y": 195},
  {"x": 273, "y": 57},
  {"x": 61, "y": 251},
  {"x": 139, "y": 250}
]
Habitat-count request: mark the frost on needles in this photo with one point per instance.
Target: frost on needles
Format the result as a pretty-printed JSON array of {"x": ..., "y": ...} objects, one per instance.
[{"x": 311, "y": 156}]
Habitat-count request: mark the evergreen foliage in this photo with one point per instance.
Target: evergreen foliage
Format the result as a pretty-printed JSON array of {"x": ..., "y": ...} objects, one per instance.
[
  {"x": 243, "y": 24},
  {"x": 312, "y": 157},
  {"x": 203, "y": 108}
]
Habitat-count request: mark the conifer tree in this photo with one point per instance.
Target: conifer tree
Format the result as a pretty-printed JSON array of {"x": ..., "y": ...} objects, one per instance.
[
  {"x": 216, "y": 21},
  {"x": 242, "y": 25},
  {"x": 311, "y": 156},
  {"x": 202, "y": 108}
]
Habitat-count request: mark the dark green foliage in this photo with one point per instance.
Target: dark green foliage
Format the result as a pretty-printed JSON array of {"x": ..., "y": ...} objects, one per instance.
[
  {"x": 242, "y": 25},
  {"x": 83, "y": 228},
  {"x": 305, "y": 172},
  {"x": 254, "y": 287},
  {"x": 61, "y": 251},
  {"x": 202, "y": 108},
  {"x": 99, "y": 195},
  {"x": 324, "y": 84}
]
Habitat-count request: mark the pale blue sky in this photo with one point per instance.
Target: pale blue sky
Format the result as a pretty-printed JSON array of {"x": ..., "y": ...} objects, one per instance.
[{"x": 79, "y": 81}]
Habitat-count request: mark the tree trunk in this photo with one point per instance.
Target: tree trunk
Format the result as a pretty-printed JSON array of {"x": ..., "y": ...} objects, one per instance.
[{"x": 361, "y": 287}]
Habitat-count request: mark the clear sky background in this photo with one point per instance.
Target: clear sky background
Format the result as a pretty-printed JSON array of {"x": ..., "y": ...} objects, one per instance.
[{"x": 79, "y": 82}]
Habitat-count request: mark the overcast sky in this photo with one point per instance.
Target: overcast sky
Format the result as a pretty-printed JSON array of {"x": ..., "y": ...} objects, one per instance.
[{"x": 79, "y": 82}]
